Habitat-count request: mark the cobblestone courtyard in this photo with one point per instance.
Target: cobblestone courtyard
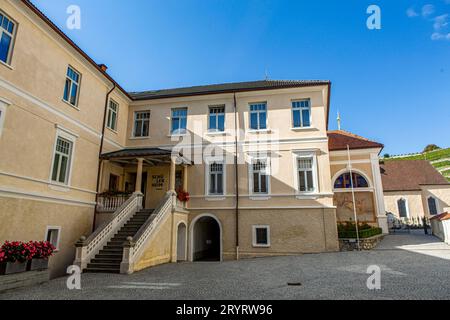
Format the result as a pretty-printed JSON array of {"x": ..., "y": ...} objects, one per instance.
[{"x": 414, "y": 266}]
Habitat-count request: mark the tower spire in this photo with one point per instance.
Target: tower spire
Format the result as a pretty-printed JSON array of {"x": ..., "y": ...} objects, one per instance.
[{"x": 339, "y": 120}]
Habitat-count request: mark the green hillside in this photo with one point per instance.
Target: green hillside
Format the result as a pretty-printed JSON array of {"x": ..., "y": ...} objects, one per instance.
[{"x": 440, "y": 159}]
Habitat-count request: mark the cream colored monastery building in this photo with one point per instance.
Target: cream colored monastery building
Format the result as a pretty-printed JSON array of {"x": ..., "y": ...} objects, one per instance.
[
  {"x": 121, "y": 181},
  {"x": 414, "y": 189}
]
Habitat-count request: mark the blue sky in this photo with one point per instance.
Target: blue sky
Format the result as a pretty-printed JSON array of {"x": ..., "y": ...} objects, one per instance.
[{"x": 391, "y": 85}]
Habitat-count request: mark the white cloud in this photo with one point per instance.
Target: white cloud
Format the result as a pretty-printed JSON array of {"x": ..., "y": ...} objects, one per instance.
[
  {"x": 440, "y": 22},
  {"x": 411, "y": 13},
  {"x": 427, "y": 10},
  {"x": 440, "y": 36}
]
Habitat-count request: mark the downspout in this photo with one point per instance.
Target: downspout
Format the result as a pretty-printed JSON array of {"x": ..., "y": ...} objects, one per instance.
[
  {"x": 100, "y": 153},
  {"x": 236, "y": 177}
]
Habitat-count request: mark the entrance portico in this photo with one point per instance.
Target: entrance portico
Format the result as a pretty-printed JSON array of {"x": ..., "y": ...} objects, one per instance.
[{"x": 151, "y": 171}]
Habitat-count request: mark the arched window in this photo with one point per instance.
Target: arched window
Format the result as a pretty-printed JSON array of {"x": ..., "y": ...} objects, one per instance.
[
  {"x": 402, "y": 210},
  {"x": 344, "y": 181},
  {"x": 432, "y": 207}
]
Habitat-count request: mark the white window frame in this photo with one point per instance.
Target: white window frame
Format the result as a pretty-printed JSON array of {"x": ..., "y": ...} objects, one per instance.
[
  {"x": 258, "y": 112},
  {"x": 13, "y": 39},
  {"x": 406, "y": 208},
  {"x": 178, "y": 132},
  {"x": 301, "y": 118},
  {"x": 305, "y": 154},
  {"x": 134, "y": 123},
  {"x": 71, "y": 137},
  {"x": 259, "y": 196},
  {"x": 109, "y": 115},
  {"x": 208, "y": 162},
  {"x": 257, "y": 245},
  {"x": 70, "y": 88},
  {"x": 58, "y": 239},
  {"x": 217, "y": 118},
  {"x": 3, "y": 106}
]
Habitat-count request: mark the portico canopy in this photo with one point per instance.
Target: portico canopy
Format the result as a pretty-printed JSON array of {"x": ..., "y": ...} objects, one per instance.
[{"x": 151, "y": 155}]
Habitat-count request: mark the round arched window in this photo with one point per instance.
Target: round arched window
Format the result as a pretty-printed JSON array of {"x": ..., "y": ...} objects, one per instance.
[{"x": 344, "y": 181}]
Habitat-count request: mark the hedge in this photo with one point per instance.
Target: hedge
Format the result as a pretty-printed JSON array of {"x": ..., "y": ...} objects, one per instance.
[{"x": 367, "y": 233}]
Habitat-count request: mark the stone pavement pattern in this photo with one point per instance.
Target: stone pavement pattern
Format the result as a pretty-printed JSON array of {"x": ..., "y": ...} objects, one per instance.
[{"x": 414, "y": 266}]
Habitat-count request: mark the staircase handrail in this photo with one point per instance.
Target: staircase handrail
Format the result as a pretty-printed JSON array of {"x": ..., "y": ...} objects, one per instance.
[
  {"x": 87, "y": 248},
  {"x": 134, "y": 248}
]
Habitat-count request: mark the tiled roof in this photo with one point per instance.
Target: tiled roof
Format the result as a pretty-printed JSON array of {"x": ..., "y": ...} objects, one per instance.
[
  {"x": 409, "y": 175},
  {"x": 226, "y": 88},
  {"x": 340, "y": 139},
  {"x": 442, "y": 217}
]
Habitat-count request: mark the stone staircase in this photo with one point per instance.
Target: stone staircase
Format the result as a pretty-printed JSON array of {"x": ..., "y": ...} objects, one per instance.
[{"x": 110, "y": 256}]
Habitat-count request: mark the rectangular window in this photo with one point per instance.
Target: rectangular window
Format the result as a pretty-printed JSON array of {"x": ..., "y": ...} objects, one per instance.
[
  {"x": 7, "y": 30},
  {"x": 61, "y": 161},
  {"x": 216, "y": 178},
  {"x": 260, "y": 176},
  {"x": 217, "y": 119},
  {"x": 179, "y": 121},
  {"x": 305, "y": 167},
  {"x": 432, "y": 207},
  {"x": 141, "y": 124},
  {"x": 113, "y": 109},
  {"x": 402, "y": 211},
  {"x": 258, "y": 116},
  {"x": 261, "y": 236},
  {"x": 72, "y": 86},
  {"x": 52, "y": 235},
  {"x": 301, "y": 114}
]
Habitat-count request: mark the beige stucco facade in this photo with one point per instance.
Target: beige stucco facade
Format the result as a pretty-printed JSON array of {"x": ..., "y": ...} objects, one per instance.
[
  {"x": 417, "y": 205},
  {"x": 31, "y": 92},
  {"x": 35, "y": 115}
]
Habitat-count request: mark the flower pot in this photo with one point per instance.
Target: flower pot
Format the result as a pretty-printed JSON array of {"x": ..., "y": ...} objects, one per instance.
[
  {"x": 37, "y": 264},
  {"x": 12, "y": 267}
]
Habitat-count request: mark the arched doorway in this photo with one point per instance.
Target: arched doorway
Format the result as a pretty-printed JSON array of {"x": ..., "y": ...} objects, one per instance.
[
  {"x": 181, "y": 242},
  {"x": 206, "y": 239}
]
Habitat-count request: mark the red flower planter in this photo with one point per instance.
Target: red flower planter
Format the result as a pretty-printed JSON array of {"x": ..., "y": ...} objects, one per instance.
[
  {"x": 12, "y": 267},
  {"x": 37, "y": 264},
  {"x": 34, "y": 255}
]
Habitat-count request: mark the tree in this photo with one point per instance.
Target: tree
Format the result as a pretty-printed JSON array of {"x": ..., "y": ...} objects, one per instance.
[
  {"x": 386, "y": 155},
  {"x": 430, "y": 147}
]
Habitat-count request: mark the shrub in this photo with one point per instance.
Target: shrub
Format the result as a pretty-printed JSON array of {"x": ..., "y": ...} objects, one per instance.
[{"x": 348, "y": 230}]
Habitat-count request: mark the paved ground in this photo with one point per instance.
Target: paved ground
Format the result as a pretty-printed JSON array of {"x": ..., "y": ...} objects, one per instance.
[{"x": 414, "y": 266}]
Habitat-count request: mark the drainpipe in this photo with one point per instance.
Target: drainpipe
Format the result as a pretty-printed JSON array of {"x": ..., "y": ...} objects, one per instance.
[
  {"x": 100, "y": 152},
  {"x": 236, "y": 175}
]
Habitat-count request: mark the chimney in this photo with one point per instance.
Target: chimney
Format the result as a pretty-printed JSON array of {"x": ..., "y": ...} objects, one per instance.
[{"x": 103, "y": 67}]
